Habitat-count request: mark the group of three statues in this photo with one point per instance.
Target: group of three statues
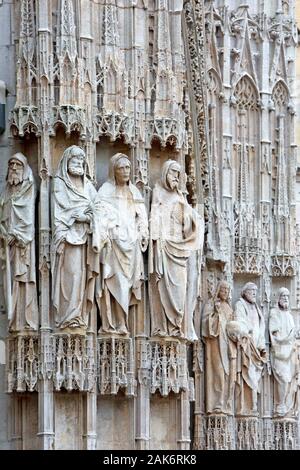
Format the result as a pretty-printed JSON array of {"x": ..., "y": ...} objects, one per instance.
[
  {"x": 98, "y": 241},
  {"x": 236, "y": 352}
]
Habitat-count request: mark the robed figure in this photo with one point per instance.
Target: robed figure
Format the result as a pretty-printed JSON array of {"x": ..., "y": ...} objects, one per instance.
[
  {"x": 124, "y": 220},
  {"x": 176, "y": 231},
  {"x": 251, "y": 350},
  {"x": 284, "y": 356},
  {"x": 17, "y": 243},
  {"x": 220, "y": 352},
  {"x": 75, "y": 248}
]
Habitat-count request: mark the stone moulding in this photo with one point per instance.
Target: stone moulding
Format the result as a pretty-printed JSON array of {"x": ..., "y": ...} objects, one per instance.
[
  {"x": 115, "y": 366},
  {"x": 283, "y": 265},
  {"x": 74, "y": 364},
  {"x": 24, "y": 120},
  {"x": 248, "y": 434},
  {"x": 285, "y": 432},
  {"x": 168, "y": 367},
  {"x": 219, "y": 432},
  {"x": 22, "y": 366}
]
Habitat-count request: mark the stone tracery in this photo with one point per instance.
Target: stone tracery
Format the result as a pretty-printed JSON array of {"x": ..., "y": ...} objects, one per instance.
[{"x": 190, "y": 90}]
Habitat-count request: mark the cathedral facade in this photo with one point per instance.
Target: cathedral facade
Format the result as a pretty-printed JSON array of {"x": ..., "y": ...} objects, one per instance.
[{"x": 149, "y": 237}]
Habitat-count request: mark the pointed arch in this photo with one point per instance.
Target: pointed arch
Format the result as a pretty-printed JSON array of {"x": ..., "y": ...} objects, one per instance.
[
  {"x": 281, "y": 95},
  {"x": 246, "y": 93},
  {"x": 214, "y": 81}
]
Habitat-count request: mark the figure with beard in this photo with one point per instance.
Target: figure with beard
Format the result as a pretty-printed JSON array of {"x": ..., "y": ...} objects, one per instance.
[
  {"x": 284, "y": 358},
  {"x": 17, "y": 207},
  {"x": 122, "y": 266},
  {"x": 176, "y": 231},
  {"x": 220, "y": 352},
  {"x": 251, "y": 349},
  {"x": 75, "y": 250}
]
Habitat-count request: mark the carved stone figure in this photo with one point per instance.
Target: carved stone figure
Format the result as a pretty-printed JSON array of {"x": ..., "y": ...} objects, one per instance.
[
  {"x": 75, "y": 260},
  {"x": 251, "y": 349},
  {"x": 122, "y": 272},
  {"x": 283, "y": 355},
  {"x": 220, "y": 352},
  {"x": 18, "y": 246},
  {"x": 175, "y": 232}
]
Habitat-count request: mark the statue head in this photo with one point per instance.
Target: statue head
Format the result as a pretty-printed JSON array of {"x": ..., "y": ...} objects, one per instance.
[
  {"x": 119, "y": 169},
  {"x": 76, "y": 161},
  {"x": 249, "y": 292},
  {"x": 222, "y": 291},
  {"x": 170, "y": 176},
  {"x": 18, "y": 170},
  {"x": 283, "y": 298},
  {"x": 15, "y": 173},
  {"x": 72, "y": 163}
]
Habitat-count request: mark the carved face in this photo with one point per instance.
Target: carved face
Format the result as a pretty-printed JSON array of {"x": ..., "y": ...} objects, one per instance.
[
  {"x": 284, "y": 300},
  {"x": 173, "y": 178},
  {"x": 250, "y": 295},
  {"x": 76, "y": 162},
  {"x": 122, "y": 172},
  {"x": 15, "y": 172},
  {"x": 223, "y": 293}
]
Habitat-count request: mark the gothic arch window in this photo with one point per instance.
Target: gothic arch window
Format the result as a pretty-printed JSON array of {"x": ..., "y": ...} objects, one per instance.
[
  {"x": 33, "y": 92},
  {"x": 111, "y": 88},
  {"x": 24, "y": 86},
  {"x": 56, "y": 91},
  {"x": 281, "y": 96},
  {"x": 100, "y": 84},
  {"x": 280, "y": 125},
  {"x": 246, "y": 151}
]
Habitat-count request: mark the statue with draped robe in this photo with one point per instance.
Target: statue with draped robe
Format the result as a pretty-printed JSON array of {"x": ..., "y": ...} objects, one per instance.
[
  {"x": 284, "y": 356},
  {"x": 176, "y": 233},
  {"x": 17, "y": 243},
  {"x": 251, "y": 350},
  {"x": 220, "y": 352},
  {"x": 75, "y": 242},
  {"x": 125, "y": 229}
]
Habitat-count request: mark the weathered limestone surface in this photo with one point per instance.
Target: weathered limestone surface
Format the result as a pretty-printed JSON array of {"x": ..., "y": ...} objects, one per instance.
[{"x": 160, "y": 135}]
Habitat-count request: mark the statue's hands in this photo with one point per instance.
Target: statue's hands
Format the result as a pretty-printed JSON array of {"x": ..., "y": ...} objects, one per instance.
[
  {"x": 263, "y": 353},
  {"x": 81, "y": 217}
]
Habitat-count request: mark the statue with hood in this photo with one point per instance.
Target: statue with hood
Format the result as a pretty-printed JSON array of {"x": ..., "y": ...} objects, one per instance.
[
  {"x": 220, "y": 351},
  {"x": 75, "y": 248},
  {"x": 17, "y": 243},
  {"x": 124, "y": 216},
  {"x": 176, "y": 232}
]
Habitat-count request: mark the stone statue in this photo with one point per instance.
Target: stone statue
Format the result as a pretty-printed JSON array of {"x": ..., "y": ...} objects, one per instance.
[
  {"x": 175, "y": 232},
  {"x": 75, "y": 259},
  {"x": 122, "y": 267},
  {"x": 251, "y": 349},
  {"x": 17, "y": 244},
  {"x": 284, "y": 355},
  {"x": 220, "y": 352}
]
